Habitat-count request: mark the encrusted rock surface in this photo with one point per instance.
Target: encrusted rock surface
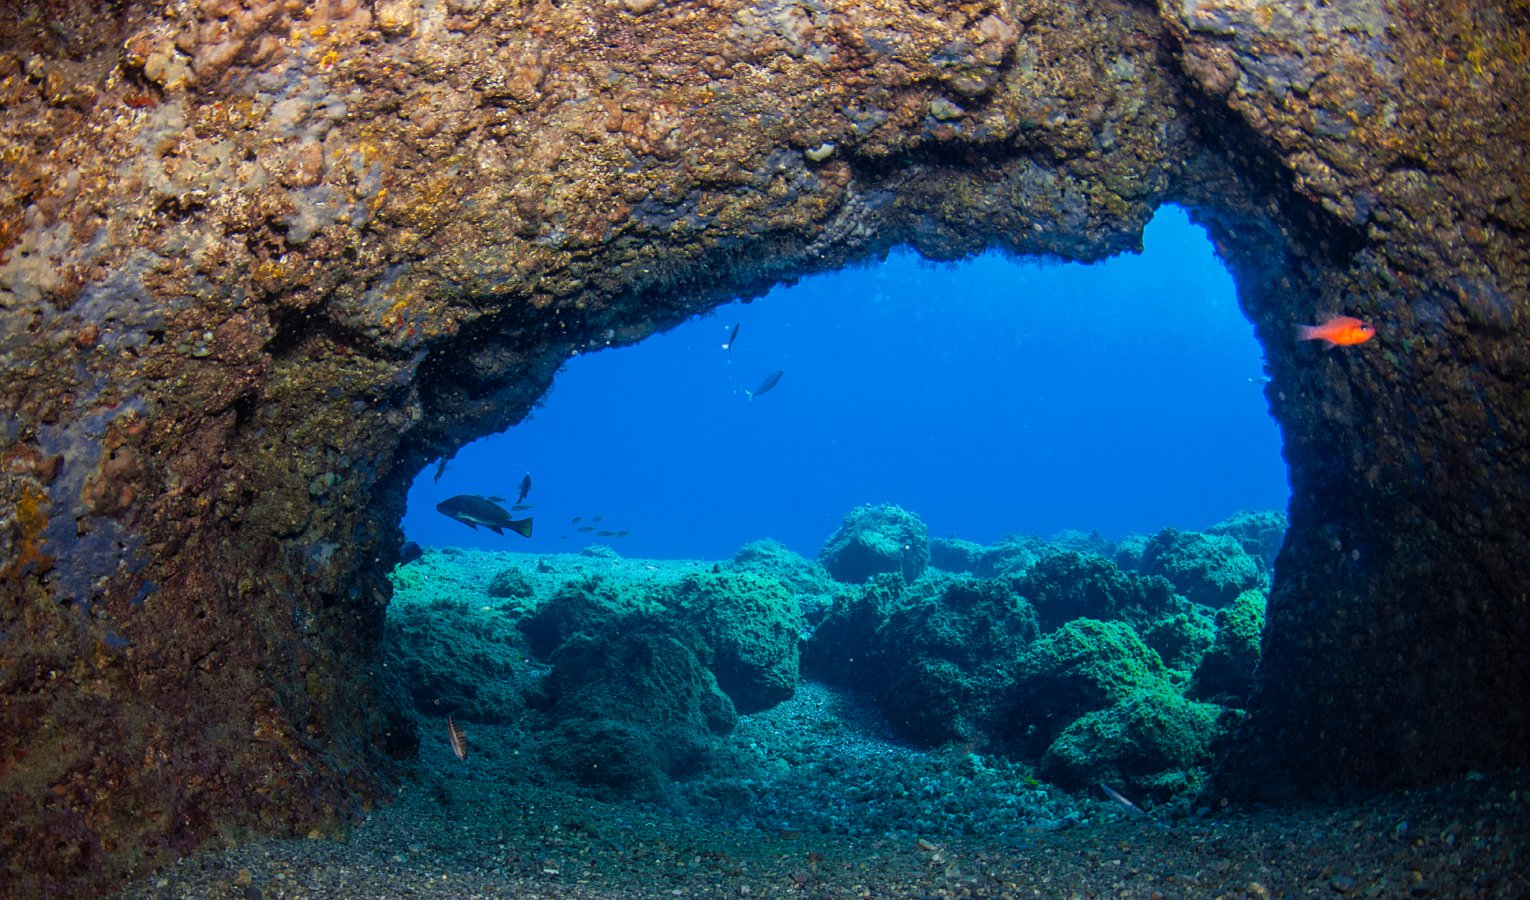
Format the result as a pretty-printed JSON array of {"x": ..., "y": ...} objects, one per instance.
[{"x": 260, "y": 260}]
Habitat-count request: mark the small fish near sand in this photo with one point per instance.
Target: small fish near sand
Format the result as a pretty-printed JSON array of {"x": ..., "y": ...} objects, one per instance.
[
  {"x": 458, "y": 739},
  {"x": 771, "y": 380},
  {"x": 473, "y": 511},
  {"x": 1338, "y": 331},
  {"x": 525, "y": 489}
]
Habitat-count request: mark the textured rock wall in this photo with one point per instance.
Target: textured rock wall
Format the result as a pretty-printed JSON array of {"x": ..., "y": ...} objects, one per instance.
[
  {"x": 260, "y": 261},
  {"x": 1399, "y": 620}
]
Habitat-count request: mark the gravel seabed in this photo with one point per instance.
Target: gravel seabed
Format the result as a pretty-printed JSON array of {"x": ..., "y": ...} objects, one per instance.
[{"x": 839, "y": 811}]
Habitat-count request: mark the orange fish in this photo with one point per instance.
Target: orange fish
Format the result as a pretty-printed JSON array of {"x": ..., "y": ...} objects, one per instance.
[
  {"x": 459, "y": 742},
  {"x": 1338, "y": 331}
]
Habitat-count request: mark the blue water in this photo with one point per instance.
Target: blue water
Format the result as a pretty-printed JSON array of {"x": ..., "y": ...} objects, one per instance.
[{"x": 989, "y": 397}]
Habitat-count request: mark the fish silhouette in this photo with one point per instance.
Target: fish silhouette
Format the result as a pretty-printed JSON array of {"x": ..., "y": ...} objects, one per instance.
[
  {"x": 473, "y": 511},
  {"x": 771, "y": 380}
]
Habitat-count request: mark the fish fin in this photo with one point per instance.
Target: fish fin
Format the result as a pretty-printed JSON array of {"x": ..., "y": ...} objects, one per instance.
[
  {"x": 750, "y": 393},
  {"x": 495, "y": 528},
  {"x": 521, "y": 527},
  {"x": 1307, "y": 332},
  {"x": 469, "y": 524}
]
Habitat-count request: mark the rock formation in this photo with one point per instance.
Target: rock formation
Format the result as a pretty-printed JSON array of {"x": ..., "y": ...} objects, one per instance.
[{"x": 262, "y": 260}]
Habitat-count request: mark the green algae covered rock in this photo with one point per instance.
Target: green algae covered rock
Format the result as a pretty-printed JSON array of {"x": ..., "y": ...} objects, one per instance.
[
  {"x": 512, "y": 583},
  {"x": 950, "y": 554},
  {"x": 1181, "y": 639},
  {"x": 451, "y": 657},
  {"x": 1012, "y": 555},
  {"x": 1208, "y": 569},
  {"x": 1260, "y": 533},
  {"x": 1084, "y": 666},
  {"x": 753, "y": 627},
  {"x": 846, "y": 648},
  {"x": 589, "y": 605},
  {"x": 1155, "y": 742},
  {"x": 947, "y": 652},
  {"x": 1064, "y": 585},
  {"x": 799, "y": 574},
  {"x": 629, "y": 708},
  {"x": 1226, "y": 673},
  {"x": 877, "y": 539},
  {"x": 1128, "y": 553},
  {"x": 812, "y": 586}
]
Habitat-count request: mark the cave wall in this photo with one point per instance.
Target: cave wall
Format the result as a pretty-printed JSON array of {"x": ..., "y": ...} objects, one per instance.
[{"x": 261, "y": 261}]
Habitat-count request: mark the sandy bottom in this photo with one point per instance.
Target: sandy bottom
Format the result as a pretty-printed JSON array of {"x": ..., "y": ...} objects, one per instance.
[{"x": 838, "y": 811}]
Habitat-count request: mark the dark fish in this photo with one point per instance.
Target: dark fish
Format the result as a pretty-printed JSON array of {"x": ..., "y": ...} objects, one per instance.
[
  {"x": 440, "y": 469},
  {"x": 731, "y": 338},
  {"x": 474, "y": 511},
  {"x": 495, "y": 498},
  {"x": 605, "y": 534},
  {"x": 771, "y": 380},
  {"x": 576, "y": 520},
  {"x": 623, "y": 533},
  {"x": 597, "y": 518},
  {"x": 409, "y": 553},
  {"x": 525, "y": 488},
  {"x": 519, "y": 507},
  {"x": 458, "y": 739},
  {"x": 586, "y": 527}
]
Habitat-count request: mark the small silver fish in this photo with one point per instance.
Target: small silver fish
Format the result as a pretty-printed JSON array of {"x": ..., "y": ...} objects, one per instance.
[
  {"x": 771, "y": 380},
  {"x": 1126, "y": 804},
  {"x": 458, "y": 739}
]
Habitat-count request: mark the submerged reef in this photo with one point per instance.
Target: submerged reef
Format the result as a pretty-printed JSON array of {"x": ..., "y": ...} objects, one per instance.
[
  {"x": 627, "y": 677},
  {"x": 261, "y": 261}
]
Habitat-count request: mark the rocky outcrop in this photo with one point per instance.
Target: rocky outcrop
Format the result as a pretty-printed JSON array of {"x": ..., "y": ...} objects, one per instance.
[
  {"x": 875, "y": 539},
  {"x": 260, "y": 261}
]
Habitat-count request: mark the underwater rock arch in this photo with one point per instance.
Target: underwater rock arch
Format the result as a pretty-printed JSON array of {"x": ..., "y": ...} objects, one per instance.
[{"x": 261, "y": 260}]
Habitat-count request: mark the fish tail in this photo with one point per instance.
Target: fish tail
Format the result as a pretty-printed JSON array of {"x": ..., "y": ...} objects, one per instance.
[
  {"x": 521, "y": 527},
  {"x": 1308, "y": 332}
]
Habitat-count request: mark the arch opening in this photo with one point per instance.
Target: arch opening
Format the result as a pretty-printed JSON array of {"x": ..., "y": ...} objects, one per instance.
[
  {"x": 989, "y": 397},
  {"x": 678, "y": 511}
]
